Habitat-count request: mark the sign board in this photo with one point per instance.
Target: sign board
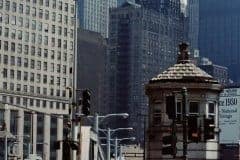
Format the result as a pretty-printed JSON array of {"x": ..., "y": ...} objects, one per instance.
[{"x": 229, "y": 116}]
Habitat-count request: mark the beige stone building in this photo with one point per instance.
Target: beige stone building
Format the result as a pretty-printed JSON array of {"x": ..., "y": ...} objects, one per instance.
[{"x": 202, "y": 101}]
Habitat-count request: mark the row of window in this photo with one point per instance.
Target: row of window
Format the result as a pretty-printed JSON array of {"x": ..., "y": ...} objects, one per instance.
[
  {"x": 19, "y": 34},
  {"x": 14, "y": 7},
  {"x": 38, "y": 65},
  {"x": 39, "y": 52},
  {"x": 40, "y": 40},
  {"x": 33, "y": 77},
  {"x": 25, "y": 22},
  {"x": 33, "y": 102},
  {"x": 33, "y": 89}
]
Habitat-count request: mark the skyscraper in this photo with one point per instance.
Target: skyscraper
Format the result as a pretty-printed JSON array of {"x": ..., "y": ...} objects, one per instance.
[
  {"x": 36, "y": 57},
  {"x": 94, "y": 15},
  {"x": 219, "y": 33},
  {"x": 142, "y": 43},
  {"x": 193, "y": 23}
]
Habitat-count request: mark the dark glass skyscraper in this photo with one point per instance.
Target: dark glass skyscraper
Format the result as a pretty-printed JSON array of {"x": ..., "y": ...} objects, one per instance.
[
  {"x": 219, "y": 33},
  {"x": 142, "y": 42}
]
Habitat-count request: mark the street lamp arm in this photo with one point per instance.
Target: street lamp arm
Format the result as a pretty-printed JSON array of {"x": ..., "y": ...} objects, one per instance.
[
  {"x": 130, "y": 138},
  {"x": 124, "y": 115}
]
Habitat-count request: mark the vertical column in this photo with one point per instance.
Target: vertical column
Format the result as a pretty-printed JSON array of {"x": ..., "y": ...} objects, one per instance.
[
  {"x": 7, "y": 117},
  {"x": 46, "y": 149},
  {"x": 20, "y": 131},
  {"x": 59, "y": 135},
  {"x": 34, "y": 132}
]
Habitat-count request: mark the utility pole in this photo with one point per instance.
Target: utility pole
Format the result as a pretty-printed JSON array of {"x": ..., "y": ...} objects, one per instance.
[
  {"x": 184, "y": 114},
  {"x": 108, "y": 143},
  {"x": 116, "y": 146}
]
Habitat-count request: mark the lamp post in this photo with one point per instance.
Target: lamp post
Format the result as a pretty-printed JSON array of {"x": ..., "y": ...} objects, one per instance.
[
  {"x": 117, "y": 141},
  {"x": 109, "y": 133},
  {"x": 99, "y": 119}
]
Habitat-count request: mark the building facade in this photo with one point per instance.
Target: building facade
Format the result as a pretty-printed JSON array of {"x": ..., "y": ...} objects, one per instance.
[
  {"x": 192, "y": 14},
  {"x": 219, "y": 33},
  {"x": 94, "y": 15},
  {"x": 141, "y": 44},
  {"x": 202, "y": 97},
  {"x": 92, "y": 51},
  {"x": 36, "y": 58}
]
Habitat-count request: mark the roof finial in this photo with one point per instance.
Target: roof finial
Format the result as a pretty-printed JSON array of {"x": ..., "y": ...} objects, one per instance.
[{"x": 183, "y": 55}]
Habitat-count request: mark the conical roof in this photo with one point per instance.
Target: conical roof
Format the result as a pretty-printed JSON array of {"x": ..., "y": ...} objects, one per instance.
[{"x": 184, "y": 71}]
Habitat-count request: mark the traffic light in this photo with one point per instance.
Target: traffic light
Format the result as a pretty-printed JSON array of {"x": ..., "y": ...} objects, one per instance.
[
  {"x": 169, "y": 147},
  {"x": 209, "y": 127},
  {"x": 171, "y": 107},
  {"x": 86, "y": 102},
  {"x": 194, "y": 132}
]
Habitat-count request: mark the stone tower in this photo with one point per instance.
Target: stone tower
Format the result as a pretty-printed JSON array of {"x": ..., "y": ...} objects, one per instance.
[{"x": 201, "y": 102}]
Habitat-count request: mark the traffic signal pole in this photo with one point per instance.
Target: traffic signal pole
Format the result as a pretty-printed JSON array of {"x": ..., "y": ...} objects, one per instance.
[{"x": 184, "y": 114}]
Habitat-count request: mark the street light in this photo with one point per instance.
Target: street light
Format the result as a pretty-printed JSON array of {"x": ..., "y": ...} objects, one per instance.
[
  {"x": 99, "y": 119},
  {"x": 117, "y": 141},
  {"x": 109, "y": 133}
]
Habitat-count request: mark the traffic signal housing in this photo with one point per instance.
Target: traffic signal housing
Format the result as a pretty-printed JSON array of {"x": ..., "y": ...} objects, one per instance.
[
  {"x": 169, "y": 147},
  {"x": 194, "y": 130},
  {"x": 86, "y": 102},
  {"x": 171, "y": 107},
  {"x": 209, "y": 127}
]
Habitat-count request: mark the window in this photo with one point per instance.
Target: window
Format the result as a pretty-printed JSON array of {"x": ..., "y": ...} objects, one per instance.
[
  {"x": 33, "y": 24},
  {"x": 64, "y": 68},
  {"x": 25, "y": 88},
  {"x": 5, "y": 59},
  {"x": 31, "y": 102},
  {"x": 53, "y": 42},
  {"x": 38, "y": 90},
  {"x": 40, "y": 13},
  {"x": 45, "y": 91},
  {"x": 25, "y": 62},
  {"x": 194, "y": 108},
  {"x": 39, "y": 52},
  {"x": 19, "y": 75},
  {"x": 45, "y": 40},
  {"x": 12, "y": 86},
  {"x": 59, "y": 18},
  {"x": 46, "y": 14},
  {"x": 5, "y": 73},
  {"x": 5, "y": 46},
  {"x": 26, "y": 36},
  {"x": 32, "y": 89},
  {"x": 60, "y": 5},
  {"x": 7, "y": 5},
  {"x": 26, "y": 49},
  {"x": 38, "y": 79},
  {"x": 52, "y": 54},
  {"x": 12, "y": 74},
  {"x": 25, "y": 76},
  {"x": 6, "y": 32},
  {"x": 58, "y": 68},
  {"x": 4, "y": 85},
  {"x": 44, "y": 103},
  {"x": 34, "y": 12},
  {"x": 54, "y": 4},
  {"x": 45, "y": 66},
  {"x": 211, "y": 108},
  {"x": 13, "y": 47},
  {"x": 20, "y": 8},
  {"x": 51, "y": 92},
  {"x": 65, "y": 44},
  {"x": 39, "y": 39},
  {"x": 58, "y": 92},
  {"x": 13, "y": 33},
  {"x": 6, "y": 19},
  {"x": 32, "y": 50},
  {"x": 38, "y": 65},
  {"x": 40, "y": 26},
  {"x": 72, "y": 9},
  {"x": 47, "y": 3},
  {"x": 59, "y": 43},
  {"x": 38, "y": 103},
  {"x": 33, "y": 40},
  {"x": 12, "y": 60},
  {"x": 52, "y": 67},
  {"x": 19, "y": 48},
  {"x": 32, "y": 64},
  {"x": 59, "y": 30},
  {"x": 27, "y": 10},
  {"x": 58, "y": 83},
  {"x": 65, "y": 20},
  {"x": 18, "y": 87},
  {"x": 19, "y": 35},
  {"x": 52, "y": 80},
  {"x": 32, "y": 77},
  {"x": 65, "y": 7},
  {"x": 44, "y": 79},
  {"x": 53, "y": 16},
  {"x": 27, "y": 22},
  {"x": 65, "y": 32},
  {"x": 14, "y": 6},
  {"x": 53, "y": 29}
]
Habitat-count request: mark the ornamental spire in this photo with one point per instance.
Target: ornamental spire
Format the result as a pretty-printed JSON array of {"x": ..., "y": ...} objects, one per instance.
[{"x": 183, "y": 55}]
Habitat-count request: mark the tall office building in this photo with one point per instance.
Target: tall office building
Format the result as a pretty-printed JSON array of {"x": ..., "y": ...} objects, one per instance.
[
  {"x": 92, "y": 49},
  {"x": 94, "y": 15},
  {"x": 219, "y": 33},
  {"x": 168, "y": 7},
  {"x": 36, "y": 57},
  {"x": 192, "y": 14},
  {"x": 142, "y": 43}
]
